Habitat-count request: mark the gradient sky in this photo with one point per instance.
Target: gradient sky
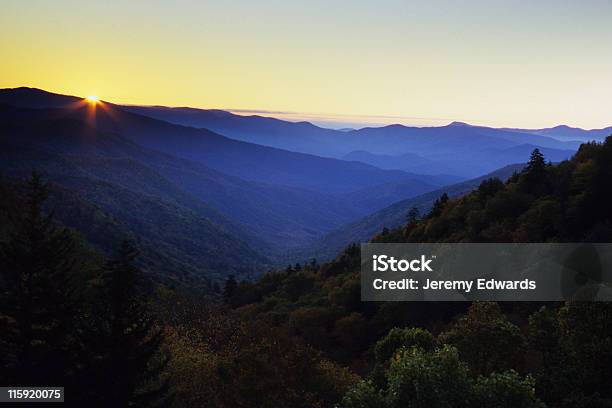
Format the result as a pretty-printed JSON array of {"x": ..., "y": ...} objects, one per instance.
[{"x": 498, "y": 63}]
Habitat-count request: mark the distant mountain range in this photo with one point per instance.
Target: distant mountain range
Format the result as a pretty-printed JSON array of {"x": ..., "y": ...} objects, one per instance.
[
  {"x": 458, "y": 148},
  {"x": 567, "y": 133},
  {"x": 207, "y": 193},
  {"x": 138, "y": 171}
]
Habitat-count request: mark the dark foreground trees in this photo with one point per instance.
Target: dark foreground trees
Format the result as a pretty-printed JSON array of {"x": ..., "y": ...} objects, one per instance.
[
  {"x": 126, "y": 361},
  {"x": 39, "y": 299},
  {"x": 64, "y": 323}
]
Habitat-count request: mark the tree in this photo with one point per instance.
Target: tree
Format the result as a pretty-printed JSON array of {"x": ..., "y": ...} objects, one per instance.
[
  {"x": 418, "y": 378},
  {"x": 364, "y": 394},
  {"x": 38, "y": 297},
  {"x": 127, "y": 361},
  {"x": 403, "y": 337},
  {"x": 537, "y": 163},
  {"x": 489, "y": 187},
  {"x": 506, "y": 389},
  {"x": 438, "y": 206},
  {"x": 486, "y": 340},
  {"x": 230, "y": 288},
  {"x": 413, "y": 216},
  {"x": 428, "y": 379},
  {"x": 535, "y": 172}
]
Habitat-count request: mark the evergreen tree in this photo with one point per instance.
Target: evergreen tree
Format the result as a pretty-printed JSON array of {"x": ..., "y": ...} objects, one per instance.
[
  {"x": 535, "y": 172},
  {"x": 38, "y": 302},
  {"x": 230, "y": 288},
  {"x": 128, "y": 361},
  {"x": 438, "y": 206},
  {"x": 413, "y": 216},
  {"x": 216, "y": 288},
  {"x": 537, "y": 163}
]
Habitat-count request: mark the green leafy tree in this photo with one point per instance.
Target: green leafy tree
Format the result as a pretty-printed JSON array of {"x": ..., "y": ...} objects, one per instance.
[
  {"x": 439, "y": 379},
  {"x": 364, "y": 394},
  {"x": 507, "y": 389},
  {"x": 403, "y": 337},
  {"x": 486, "y": 340},
  {"x": 428, "y": 379}
]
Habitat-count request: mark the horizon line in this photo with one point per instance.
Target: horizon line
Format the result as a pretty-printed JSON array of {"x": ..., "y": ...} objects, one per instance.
[{"x": 334, "y": 121}]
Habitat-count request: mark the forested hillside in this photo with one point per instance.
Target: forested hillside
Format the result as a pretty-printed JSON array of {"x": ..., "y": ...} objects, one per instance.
[
  {"x": 301, "y": 337},
  {"x": 115, "y": 335},
  {"x": 560, "y": 350}
]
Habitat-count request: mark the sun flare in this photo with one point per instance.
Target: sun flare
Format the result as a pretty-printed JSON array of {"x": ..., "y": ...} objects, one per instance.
[{"x": 92, "y": 99}]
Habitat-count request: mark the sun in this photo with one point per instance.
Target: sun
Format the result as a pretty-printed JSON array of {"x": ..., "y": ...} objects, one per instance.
[{"x": 92, "y": 99}]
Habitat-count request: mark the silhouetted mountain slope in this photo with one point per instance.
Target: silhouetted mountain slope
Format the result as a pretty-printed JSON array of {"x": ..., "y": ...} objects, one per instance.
[
  {"x": 394, "y": 215},
  {"x": 244, "y": 160},
  {"x": 269, "y": 215},
  {"x": 294, "y": 136}
]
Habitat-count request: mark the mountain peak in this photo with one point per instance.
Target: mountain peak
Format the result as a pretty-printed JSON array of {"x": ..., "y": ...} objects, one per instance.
[{"x": 457, "y": 123}]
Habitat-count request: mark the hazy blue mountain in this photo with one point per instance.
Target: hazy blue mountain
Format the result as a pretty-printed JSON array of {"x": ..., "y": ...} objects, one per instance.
[
  {"x": 392, "y": 216},
  {"x": 466, "y": 150},
  {"x": 301, "y": 137},
  {"x": 567, "y": 133},
  {"x": 502, "y": 156},
  {"x": 409, "y": 162},
  {"x": 482, "y": 160},
  {"x": 67, "y": 147},
  {"x": 107, "y": 169},
  {"x": 272, "y": 201},
  {"x": 374, "y": 198},
  {"x": 459, "y": 148}
]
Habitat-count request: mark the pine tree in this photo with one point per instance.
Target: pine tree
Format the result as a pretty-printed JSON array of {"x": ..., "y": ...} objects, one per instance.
[
  {"x": 38, "y": 302},
  {"x": 230, "y": 288},
  {"x": 127, "y": 358},
  {"x": 537, "y": 163},
  {"x": 413, "y": 215},
  {"x": 535, "y": 172},
  {"x": 438, "y": 206}
]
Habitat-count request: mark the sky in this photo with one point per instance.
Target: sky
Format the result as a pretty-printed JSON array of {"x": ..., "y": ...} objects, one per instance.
[{"x": 499, "y": 63}]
